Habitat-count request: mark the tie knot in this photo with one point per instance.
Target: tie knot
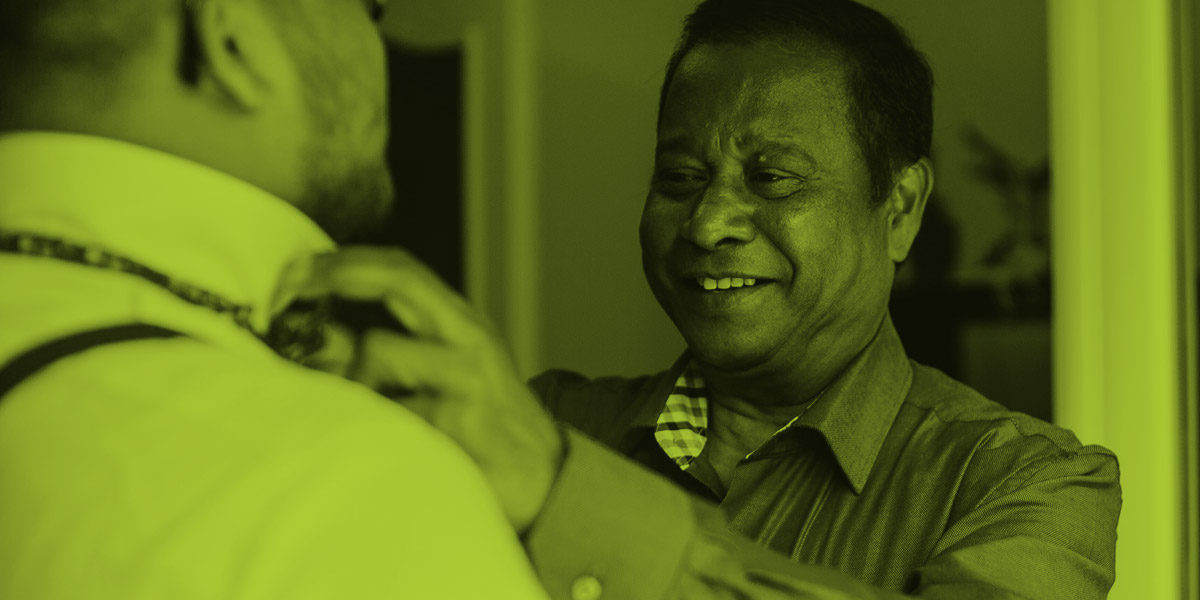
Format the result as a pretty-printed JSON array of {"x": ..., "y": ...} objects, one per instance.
[{"x": 298, "y": 332}]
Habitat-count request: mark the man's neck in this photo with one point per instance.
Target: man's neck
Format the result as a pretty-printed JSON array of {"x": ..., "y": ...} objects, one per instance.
[
  {"x": 772, "y": 394},
  {"x": 739, "y": 425},
  {"x": 747, "y": 407}
]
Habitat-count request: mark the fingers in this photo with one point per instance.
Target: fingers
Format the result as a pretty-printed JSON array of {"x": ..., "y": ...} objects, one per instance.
[
  {"x": 389, "y": 359},
  {"x": 410, "y": 290},
  {"x": 337, "y": 355}
]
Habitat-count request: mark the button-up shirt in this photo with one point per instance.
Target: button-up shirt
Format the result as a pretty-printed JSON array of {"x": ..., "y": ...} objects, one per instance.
[
  {"x": 896, "y": 482},
  {"x": 206, "y": 466}
]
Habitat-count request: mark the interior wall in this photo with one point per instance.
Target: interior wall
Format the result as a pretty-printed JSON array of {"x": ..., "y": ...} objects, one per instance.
[
  {"x": 989, "y": 65},
  {"x": 599, "y": 68}
]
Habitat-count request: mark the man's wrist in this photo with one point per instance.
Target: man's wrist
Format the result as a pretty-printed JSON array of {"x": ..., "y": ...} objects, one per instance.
[{"x": 557, "y": 460}]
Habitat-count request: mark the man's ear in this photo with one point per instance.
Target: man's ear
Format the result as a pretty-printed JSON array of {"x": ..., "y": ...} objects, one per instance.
[
  {"x": 906, "y": 205},
  {"x": 240, "y": 54}
]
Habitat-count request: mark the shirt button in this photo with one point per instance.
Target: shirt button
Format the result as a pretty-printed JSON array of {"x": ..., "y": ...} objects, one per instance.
[{"x": 586, "y": 587}]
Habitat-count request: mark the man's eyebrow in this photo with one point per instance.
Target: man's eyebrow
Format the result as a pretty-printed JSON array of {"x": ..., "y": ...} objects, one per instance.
[
  {"x": 756, "y": 145},
  {"x": 767, "y": 146}
]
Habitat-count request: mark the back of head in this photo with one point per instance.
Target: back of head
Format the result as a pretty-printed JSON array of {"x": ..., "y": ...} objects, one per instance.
[
  {"x": 289, "y": 96},
  {"x": 889, "y": 82},
  {"x": 47, "y": 46}
]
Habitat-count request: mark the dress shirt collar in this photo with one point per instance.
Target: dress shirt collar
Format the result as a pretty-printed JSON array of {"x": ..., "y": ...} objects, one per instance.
[
  {"x": 653, "y": 405},
  {"x": 194, "y": 223},
  {"x": 854, "y": 413}
]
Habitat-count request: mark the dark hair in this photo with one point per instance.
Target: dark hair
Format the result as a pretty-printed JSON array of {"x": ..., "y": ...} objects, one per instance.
[
  {"x": 889, "y": 82},
  {"x": 51, "y": 49}
]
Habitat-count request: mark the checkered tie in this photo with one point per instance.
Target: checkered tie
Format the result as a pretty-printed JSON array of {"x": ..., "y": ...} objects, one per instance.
[{"x": 683, "y": 423}]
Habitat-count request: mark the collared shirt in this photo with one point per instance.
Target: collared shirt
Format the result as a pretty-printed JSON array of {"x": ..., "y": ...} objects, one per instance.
[
  {"x": 682, "y": 426},
  {"x": 896, "y": 482},
  {"x": 206, "y": 466}
]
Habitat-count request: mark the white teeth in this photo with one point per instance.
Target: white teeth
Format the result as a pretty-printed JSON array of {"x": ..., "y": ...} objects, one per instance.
[
  {"x": 725, "y": 283},
  {"x": 709, "y": 283}
]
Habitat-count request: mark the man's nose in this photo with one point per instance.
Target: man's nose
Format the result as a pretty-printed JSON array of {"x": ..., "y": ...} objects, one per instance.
[{"x": 721, "y": 215}]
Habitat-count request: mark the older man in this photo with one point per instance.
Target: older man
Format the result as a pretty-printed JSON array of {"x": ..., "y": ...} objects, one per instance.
[
  {"x": 794, "y": 451},
  {"x": 163, "y": 166}
]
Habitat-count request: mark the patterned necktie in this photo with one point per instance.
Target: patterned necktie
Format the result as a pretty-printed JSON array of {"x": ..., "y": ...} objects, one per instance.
[
  {"x": 296, "y": 334},
  {"x": 682, "y": 426}
]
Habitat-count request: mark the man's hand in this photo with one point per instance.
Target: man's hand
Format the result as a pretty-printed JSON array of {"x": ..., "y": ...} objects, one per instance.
[{"x": 464, "y": 381}]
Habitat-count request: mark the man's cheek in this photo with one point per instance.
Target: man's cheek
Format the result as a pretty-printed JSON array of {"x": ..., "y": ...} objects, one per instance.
[{"x": 654, "y": 233}]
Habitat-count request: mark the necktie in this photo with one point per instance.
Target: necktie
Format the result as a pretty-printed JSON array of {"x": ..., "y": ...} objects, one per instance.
[{"x": 296, "y": 334}]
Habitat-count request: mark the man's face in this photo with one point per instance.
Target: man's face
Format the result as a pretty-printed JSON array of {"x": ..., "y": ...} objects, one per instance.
[
  {"x": 347, "y": 186},
  {"x": 757, "y": 177}
]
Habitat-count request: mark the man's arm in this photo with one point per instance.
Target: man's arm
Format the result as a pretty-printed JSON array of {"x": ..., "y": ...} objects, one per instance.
[{"x": 613, "y": 526}]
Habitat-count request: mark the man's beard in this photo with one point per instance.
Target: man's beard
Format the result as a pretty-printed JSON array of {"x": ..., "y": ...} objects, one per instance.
[
  {"x": 347, "y": 192},
  {"x": 347, "y": 189},
  {"x": 350, "y": 201}
]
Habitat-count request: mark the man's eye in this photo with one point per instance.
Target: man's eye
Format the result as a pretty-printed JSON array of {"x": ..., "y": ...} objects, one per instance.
[
  {"x": 767, "y": 177},
  {"x": 679, "y": 182},
  {"x": 774, "y": 184}
]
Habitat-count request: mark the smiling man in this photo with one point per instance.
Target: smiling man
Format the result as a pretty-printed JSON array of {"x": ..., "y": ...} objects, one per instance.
[{"x": 790, "y": 177}]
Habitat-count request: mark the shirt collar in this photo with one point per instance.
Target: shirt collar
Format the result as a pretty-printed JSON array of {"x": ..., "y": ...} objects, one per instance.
[
  {"x": 854, "y": 413},
  {"x": 656, "y": 401},
  {"x": 187, "y": 220}
]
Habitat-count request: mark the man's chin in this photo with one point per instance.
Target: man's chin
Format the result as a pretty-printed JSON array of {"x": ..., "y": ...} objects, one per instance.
[
  {"x": 354, "y": 208},
  {"x": 728, "y": 353}
]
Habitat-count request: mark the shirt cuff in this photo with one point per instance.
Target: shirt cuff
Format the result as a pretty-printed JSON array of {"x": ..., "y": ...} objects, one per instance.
[{"x": 609, "y": 528}]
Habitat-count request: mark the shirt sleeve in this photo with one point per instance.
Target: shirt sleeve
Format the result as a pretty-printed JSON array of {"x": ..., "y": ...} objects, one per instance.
[{"x": 611, "y": 529}]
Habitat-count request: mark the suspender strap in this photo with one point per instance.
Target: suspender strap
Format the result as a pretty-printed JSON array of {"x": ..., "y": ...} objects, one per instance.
[{"x": 30, "y": 362}]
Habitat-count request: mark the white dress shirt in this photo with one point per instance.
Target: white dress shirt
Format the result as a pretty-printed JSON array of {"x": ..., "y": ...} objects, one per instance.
[{"x": 205, "y": 466}]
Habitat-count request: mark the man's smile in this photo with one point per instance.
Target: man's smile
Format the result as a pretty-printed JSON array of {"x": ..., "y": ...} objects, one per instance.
[
  {"x": 712, "y": 295},
  {"x": 724, "y": 283}
]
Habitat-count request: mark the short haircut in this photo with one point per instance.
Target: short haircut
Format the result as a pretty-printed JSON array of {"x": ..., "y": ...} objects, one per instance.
[
  {"x": 889, "y": 82},
  {"x": 42, "y": 41}
]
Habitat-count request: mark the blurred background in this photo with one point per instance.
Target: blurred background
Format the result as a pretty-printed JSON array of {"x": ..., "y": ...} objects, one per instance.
[{"x": 1064, "y": 152}]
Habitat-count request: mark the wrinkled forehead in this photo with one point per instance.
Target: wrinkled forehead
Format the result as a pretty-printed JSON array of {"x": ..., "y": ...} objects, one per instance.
[{"x": 761, "y": 83}]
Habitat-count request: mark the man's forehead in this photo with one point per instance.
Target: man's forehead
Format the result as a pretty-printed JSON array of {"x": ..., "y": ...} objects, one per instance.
[
  {"x": 750, "y": 112},
  {"x": 786, "y": 58},
  {"x": 746, "y": 81},
  {"x": 683, "y": 141}
]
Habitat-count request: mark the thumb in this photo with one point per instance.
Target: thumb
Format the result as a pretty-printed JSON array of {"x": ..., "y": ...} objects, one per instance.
[{"x": 387, "y": 359}]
